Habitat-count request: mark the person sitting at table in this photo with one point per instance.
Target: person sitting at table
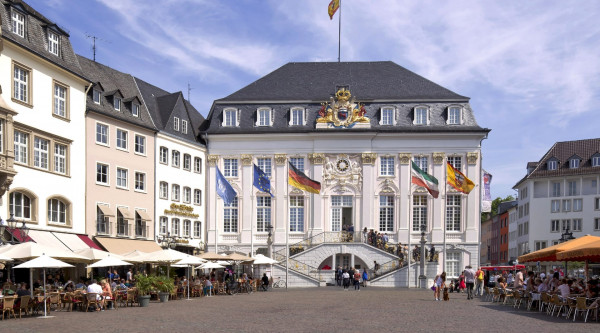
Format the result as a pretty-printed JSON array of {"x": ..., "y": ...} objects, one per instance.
[
  {"x": 122, "y": 285},
  {"x": 592, "y": 289},
  {"x": 95, "y": 288},
  {"x": 107, "y": 293},
  {"x": 23, "y": 291},
  {"x": 265, "y": 282},
  {"x": 207, "y": 286},
  {"x": 69, "y": 286},
  {"x": 502, "y": 287},
  {"x": 563, "y": 289}
]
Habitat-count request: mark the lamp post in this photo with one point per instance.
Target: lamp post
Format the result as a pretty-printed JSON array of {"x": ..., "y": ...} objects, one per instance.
[
  {"x": 167, "y": 241},
  {"x": 564, "y": 237},
  {"x": 422, "y": 277},
  {"x": 13, "y": 227},
  {"x": 270, "y": 239}
]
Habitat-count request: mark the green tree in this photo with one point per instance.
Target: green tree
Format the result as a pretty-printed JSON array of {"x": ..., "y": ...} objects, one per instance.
[{"x": 495, "y": 203}]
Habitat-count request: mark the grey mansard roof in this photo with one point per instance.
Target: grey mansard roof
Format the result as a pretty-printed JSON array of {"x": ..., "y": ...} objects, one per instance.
[
  {"x": 375, "y": 84},
  {"x": 35, "y": 38}
]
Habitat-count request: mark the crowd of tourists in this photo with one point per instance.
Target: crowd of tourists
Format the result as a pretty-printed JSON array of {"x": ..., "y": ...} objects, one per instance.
[{"x": 346, "y": 276}]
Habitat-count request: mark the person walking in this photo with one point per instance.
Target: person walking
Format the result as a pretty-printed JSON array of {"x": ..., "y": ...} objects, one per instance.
[
  {"x": 356, "y": 279},
  {"x": 338, "y": 276},
  {"x": 365, "y": 277},
  {"x": 440, "y": 283},
  {"x": 469, "y": 280},
  {"x": 346, "y": 278},
  {"x": 479, "y": 282}
]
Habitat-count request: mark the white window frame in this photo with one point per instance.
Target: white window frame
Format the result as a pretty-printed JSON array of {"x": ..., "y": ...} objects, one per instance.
[
  {"x": 556, "y": 189},
  {"x": 187, "y": 195},
  {"x": 197, "y": 164},
  {"x": 107, "y": 174},
  {"x": 60, "y": 158},
  {"x": 117, "y": 103},
  {"x": 552, "y": 165},
  {"x": 230, "y": 167},
  {"x": 104, "y": 134},
  {"x": 135, "y": 109},
  {"x": 577, "y": 205},
  {"x": 163, "y": 190},
  {"x": 18, "y": 23},
  {"x": 175, "y": 192},
  {"x": 187, "y": 228},
  {"x": 163, "y": 225},
  {"x": 140, "y": 147},
  {"x": 58, "y": 211},
  {"x": 387, "y": 116},
  {"x": 21, "y": 83},
  {"x": 231, "y": 217},
  {"x": 597, "y": 223},
  {"x": 572, "y": 188},
  {"x": 298, "y": 162},
  {"x": 555, "y": 226},
  {"x": 163, "y": 155},
  {"x": 555, "y": 206},
  {"x": 53, "y": 42},
  {"x": 60, "y": 99},
  {"x": 175, "y": 123},
  {"x": 387, "y": 166},
  {"x": 175, "y": 228},
  {"x": 297, "y": 213},
  {"x": 263, "y": 213},
  {"x": 184, "y": 126},
  {"x": 197, "y": 197},
  {"x": 263, "y": 117},
  {"x": 422, "y": 162},
  {"x": 420, "y": 207},
  {"x": 420, "y": 118},
  {"x": 454, "y": 119},
  {"x": 576, "y": 225},
  {"x": 197, "y": 229},
  {"x": 120, "y": 178},
  {"x": 96, "y": 96},
  {"x": 41, "y": 153},
  {"x": 566, "y": 205},
  {"x": 21, "y": 147},
  {"x": 453, "y": 212},
  {"x": 297, "y": 117},
  {"x": 266, "y": 165},
  {"x": 175, "y": 158},
  {"x": 140, "y": 181},
  {"x": 231, "y": 118},
  {"x": 574, "y": 163},
  {"x": 595, "y": 161},
  {"x": 456, "y": 162},
  {"x": 187, "y": 162},
  {"x": 386, "y": 213},
  {"x": 122, "y": 143}
]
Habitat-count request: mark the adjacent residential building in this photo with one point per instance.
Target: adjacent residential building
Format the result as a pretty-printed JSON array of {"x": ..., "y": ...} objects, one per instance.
[
  {"x": 486, "y": 243},
  {"x": 512, "y": 233},
  {"x": 179, "y": 169},
  {"x": 120, "y": 156},
  {"x": 42, "y": 128},
  {"x": 356, "y": 127},
  {"x": 503, "y": 224},
  {"x": 560, "y": 193}
]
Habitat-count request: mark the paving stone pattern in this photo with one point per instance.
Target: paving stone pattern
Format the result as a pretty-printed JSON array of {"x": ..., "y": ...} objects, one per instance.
[{"x": 325, "y": 309}]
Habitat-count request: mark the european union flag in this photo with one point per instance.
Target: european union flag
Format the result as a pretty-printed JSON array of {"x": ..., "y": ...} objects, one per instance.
[
  {"x": 261, "y": 181},
  {"x": 224, "y": 189}
]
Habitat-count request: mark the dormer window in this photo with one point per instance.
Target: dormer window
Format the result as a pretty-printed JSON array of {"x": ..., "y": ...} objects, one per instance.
[
  {"x": 230, "y": 118},
  {"x": 296, "y": 117},
  {"x": 387, "y": 116},
  {"x": 552, "y": 165},
  {"x": 596, "y": 160},
  {"x": 574, "y": 163},
  {"x": 184, "y": 126},
  {"x": 135, "y": 110},
  {"x": 263, "y": 117},
  {"x": 117, "y": 103},
  {"x": 454, "y": 115},
  {"x": 421, "y": 116},
  {"x": 18, "y": 23},
  {"x": 96, "y": 96},
  {"x": 53, "y": 42},
  {"x": 175, "y": 123}
]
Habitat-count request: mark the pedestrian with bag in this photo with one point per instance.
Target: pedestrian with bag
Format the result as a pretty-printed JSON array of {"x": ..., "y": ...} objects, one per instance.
[{"x": 365, "y": 277}]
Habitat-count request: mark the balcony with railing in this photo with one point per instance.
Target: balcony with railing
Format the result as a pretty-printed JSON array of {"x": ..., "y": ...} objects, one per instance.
[
  {"x": 123, "y": 229},
  {"x": 103, "y": 227}
]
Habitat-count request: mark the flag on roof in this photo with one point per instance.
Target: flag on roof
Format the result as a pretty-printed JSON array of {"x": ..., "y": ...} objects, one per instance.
[
  {"x": 457, "y": 180},
  {"x": 298, "y": 179},
  {"x": 333, "y": 7},
  {"x": 421, "y": 178}
]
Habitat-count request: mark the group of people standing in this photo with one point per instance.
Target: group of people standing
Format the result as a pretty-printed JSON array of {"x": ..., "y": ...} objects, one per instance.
[
  {"x": 344, "y": 277},
  {"x": 467, "y": 280}
]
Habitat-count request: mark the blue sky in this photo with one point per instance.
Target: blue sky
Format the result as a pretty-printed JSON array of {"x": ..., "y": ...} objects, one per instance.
[{"x": 531, "y": 68}]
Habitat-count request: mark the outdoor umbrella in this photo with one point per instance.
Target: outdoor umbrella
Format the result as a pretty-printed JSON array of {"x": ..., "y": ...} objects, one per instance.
[
  {"x": 167, "y": 256},
  {"x": 4, "y": 258},
  {"x": 44, "y": 262},
  {"x": 210, "y": 265},
  {"x": 109, "y": 261},
  {"x": 211, "y": 256},
  {"x": 585, "y": 252},
  {"x": 29, "y": 250},
  {"x": 95, "y": 254},
  {"x": 260, "y": 259},
  {"x": 134, "y": 256},
  {"x": 190, "y": 261},
  {"x": 236, "y": 257},
  {"x": 550, "y": 253}
]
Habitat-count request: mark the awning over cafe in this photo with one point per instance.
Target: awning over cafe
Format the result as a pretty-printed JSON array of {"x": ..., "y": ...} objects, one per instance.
[
  {"x": 46, "y": 238},
  {"x": 89, "y": 242},
  {"x": 122, "y": 246},
  {"x": 550, "y": 253},
  {"x": 71, "y": 241}
]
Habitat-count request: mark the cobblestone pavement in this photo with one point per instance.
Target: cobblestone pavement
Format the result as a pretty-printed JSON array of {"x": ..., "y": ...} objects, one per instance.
[{"x": 326, "y": 309}]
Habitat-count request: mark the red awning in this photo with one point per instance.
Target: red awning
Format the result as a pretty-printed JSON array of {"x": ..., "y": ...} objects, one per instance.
[
  {"x": 17, "y": 235},
  {"x": 502, "y": 268},
  {"x": 89, "y": 242}
]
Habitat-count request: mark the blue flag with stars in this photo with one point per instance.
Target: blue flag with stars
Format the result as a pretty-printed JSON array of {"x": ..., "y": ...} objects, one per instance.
[
  {"x": 224, "y": 189},
  {"x": 261, "y": 181}
]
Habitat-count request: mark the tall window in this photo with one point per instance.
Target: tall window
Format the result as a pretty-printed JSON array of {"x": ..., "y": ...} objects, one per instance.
[
  {"x": 121, "y": 139},
  {"x": 140, "y": 181},
  {"x": 164, "y": 155},
  {"x": 101, "y": 174},
  {"x": 453, "y": 212},
  {"x": 230, "y": 216},
  {"x": 577, "y": 205},
  {"x": 117, "y": 103},
  {"x": 40, "y": 153},
  {"x": 566, "y": 224},
  {"x": 265, "y": 165},
  {"x": 386, "y": 213},
  {"x": 263, "y": 117},
  {"x": 187, "y": 195},
  {"x": 572, "y": 187},
  {"x": 419, "y": 212},
  {"x": 18, "y": 23},
  {"x": 197, "y": 197},
  {"x": 122, "y": 178},
  {"x": 175, "y": 123},
  {"x": 452, "y": 264},
  {"x": 230, "y": 118},
  {"x": 175, "y": 158},
  {"x": 387, "y": 116},
  {"x": 60, "y": 158},
  {"x": 296, "y": 117},
  {"x": 263, "y": 213},
  {"x": 163, "y": 190},
  {"x": 576, "y": 224},
  {"x": 595, "y": 161},
  {"x": 21, "y": 84},
  {"x": 102, "y": 224},
  {"x": 53, "y": 43},
  {"x": 420, "y": 116},
  {"x": 140, "y": 144},
  {"x": 387, "y": 166},
  {"x": 184, "y": 126},
  {"x": 57, "y": 211},
  {"x": 556, "y": 190},
  {"x": 101, "y": 134},
  {"x": 163, "y": 225},
  {"x": 187, "y": 162},
  {"x": 60, "y": 100},
  {"x": 574, "y": 163},
  {"x": 20, "y": 205},
  {"x": 298, "y": 162},
  {"x": 456, "y": 162},
  {"x": 96, "y": 96},
  {"x": 453, "y": 115},
  {"x": 340, "y": 204},
  {"x": 135, "y": 110},
  {"x": 175, "y": 227},
  {"x": 421, "y": 162},
  {"x": 175, "y": 192},
  {"x": 555, "y": 225},
  {"x": 230, "y": 167},
  {"x": 21, "y": 140},
  {"x": 187, "y": 227},
  {"x": 197, "y": 165},
  {"x": 197, "y": 229},
  {"x": 296, "y": 214}
]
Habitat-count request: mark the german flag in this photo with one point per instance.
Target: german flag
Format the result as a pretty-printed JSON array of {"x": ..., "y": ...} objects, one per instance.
[{"x": 298, "y": 179}]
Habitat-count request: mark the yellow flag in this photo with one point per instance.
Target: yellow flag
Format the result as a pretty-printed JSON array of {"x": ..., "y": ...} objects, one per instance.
[
  {"x": 457, "y": 180},
  {"x": 333, "y": 7}
]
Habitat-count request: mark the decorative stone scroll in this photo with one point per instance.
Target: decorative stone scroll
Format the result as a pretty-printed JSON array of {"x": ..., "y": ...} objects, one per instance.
[
  {"x": 213, "y": 159},
  {"x": 280, "y": 159},
  {"x": 369, "y": 158},
  {"x": 404, "y": 158},
  {"x": 472, "y": 157},
  {"x": 316, "y": 158},
  {"x": 246, "y": 159},
  {"x": 438, "y": 158}
]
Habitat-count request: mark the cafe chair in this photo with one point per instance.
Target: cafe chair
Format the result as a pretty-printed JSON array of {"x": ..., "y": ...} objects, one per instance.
[
  {"x": 7, "y": 306},
  {"x": 581, "y": 306},
  {"x": 24, "y": 305},
  {"x": 92, "y": 299}
]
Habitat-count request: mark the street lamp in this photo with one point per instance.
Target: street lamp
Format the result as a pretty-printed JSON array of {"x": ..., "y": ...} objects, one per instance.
[
  {"x": 422, "y": 277},
  {"x": 566, "y": 236},
  {"x": 13, "y": 227},
  {"x": 167, "y": 241},
  {"x": 270, "y": 239}
]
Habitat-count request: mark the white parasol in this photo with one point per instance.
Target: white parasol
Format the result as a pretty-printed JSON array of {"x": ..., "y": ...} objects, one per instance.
[
  {"x": 95, "y": 254},
  {"x": 109, "y": 261},
  {"x": 260, "y": 259},
  {"x": 29, "y": 250},
  {"x": 190, "y": 261}
]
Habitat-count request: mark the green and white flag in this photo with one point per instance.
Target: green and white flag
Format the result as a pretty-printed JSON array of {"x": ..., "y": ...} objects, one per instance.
[{"x": 420, "y": 178}]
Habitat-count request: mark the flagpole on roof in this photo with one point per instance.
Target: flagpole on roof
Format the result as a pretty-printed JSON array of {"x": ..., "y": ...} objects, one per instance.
[
  {"x": 444, "y": 209},
  {"x": 287, "y": 231},
  {"x": 339, "y": 35}
]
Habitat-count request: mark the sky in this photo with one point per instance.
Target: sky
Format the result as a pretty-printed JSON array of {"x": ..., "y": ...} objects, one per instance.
[{"x": 531, "y": 68}]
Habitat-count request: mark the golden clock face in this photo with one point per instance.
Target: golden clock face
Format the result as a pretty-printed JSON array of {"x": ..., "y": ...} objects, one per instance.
[{"x": 342, "y": 165}]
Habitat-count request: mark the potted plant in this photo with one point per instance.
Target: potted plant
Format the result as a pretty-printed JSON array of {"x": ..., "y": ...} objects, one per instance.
[
  {"x": 165, "y": 286},
  {"x": 144, "y": 284}
]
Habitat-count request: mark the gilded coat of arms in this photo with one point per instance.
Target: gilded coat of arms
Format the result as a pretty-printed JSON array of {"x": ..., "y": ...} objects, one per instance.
[{"x": 342, "y": 111}]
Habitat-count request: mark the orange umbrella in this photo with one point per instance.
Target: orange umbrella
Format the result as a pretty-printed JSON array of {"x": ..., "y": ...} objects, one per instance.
[
  {"x": 588, "y": 251},
  {"x": 550, "y": 253}
]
